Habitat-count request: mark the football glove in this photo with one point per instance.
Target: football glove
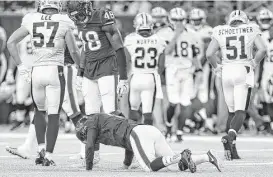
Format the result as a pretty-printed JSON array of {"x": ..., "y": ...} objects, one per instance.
[
  {"x": 79, "y": 83},
  {"x": 253, "y": 63},
  {"x": 122, "y": 87}
]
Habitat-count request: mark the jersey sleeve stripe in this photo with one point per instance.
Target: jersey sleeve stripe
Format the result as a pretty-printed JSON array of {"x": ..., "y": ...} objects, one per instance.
[{"x": 108, "y": 23}]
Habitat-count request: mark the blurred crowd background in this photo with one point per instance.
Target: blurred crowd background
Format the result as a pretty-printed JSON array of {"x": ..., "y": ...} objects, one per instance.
[{"x": 11, "y": 13}]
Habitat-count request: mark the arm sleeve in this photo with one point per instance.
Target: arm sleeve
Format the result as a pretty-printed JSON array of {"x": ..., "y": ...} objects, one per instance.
[
  {"x": 90, "y": 147},
  {"x": 128, "y": 157}
]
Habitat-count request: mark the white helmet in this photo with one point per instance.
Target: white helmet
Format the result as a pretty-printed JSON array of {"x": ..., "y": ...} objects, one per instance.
[
  {"x": 143, "y": 21},
  {"x": 237, "y": 15},
  {"x": 197, "y": 17},
  {"x": 159, "y": 16},
  {"x": 49, "y": 4},
  {"x": 265, "y": 19},
  {"x": 178, "y": 15}
]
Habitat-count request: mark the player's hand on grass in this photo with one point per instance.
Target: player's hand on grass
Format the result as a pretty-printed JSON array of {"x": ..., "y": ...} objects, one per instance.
[{"x": 122, "y": 87}]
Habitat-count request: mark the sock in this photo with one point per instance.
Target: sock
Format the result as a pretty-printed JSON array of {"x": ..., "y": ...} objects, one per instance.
[
  {"x": 232, "y": 133},
  {"x": 185, "y": 113},
  {"x": 230, "y": 117},
  {"x": 20, "y": 113},
  {"x": 203, "y": 113},
  {"x": 238, "y": 120},
  {"x": 198, "y": 159},
  {"x": 148, "y": 118},
  {"x": 41, "y": 147},
  {"x": 135, "y": 115},
  {"x": 76, "y": 119},
  {"x": 52, "y": 132},
  {"x": 165, "y": 161},
  {"x": 48, "y": 155},
  {"x": 170, "y": 112},
  {"x": 40, "y": 126}
]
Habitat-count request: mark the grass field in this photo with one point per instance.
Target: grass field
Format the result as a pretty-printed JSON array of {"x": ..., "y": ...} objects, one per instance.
[{"x": 256, "y": 153}]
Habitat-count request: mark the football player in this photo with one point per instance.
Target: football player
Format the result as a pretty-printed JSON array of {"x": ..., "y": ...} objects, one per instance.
[
  {"x": 3, "y": 61},
  {"x": 22, "y": 81},
  {"x": 146, "y": 52},
  {"x": 103, "y": 56},
  {"x": 198, "y": 24},
  {"x": 145, "y": 142},
  {"x": 160, "y": 18},
  {"x": 265, "y": 21},
  {"x": 50, "y": 31},
  {"x": 162, "y": 28},
  {"x": 70, "y": 104},
  {"x": 180, "y": 65},
  {"x": 236, "y": 40}
]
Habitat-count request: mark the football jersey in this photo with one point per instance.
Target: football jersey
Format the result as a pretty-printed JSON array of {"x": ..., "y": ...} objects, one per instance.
[
  {"x": 95, "y": 41},
  {"x": 3, "y": 37},
  {"x": 144, "y": 51},
  {"x": 26, "y": 51},
  {"x": 184, "y": 51},
  {"x": 47, "y": 37},
  {"x": 236, "y": 43}
]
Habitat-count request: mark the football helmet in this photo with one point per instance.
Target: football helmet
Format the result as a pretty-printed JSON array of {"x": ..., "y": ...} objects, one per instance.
[
  {"x": 48, "y": 4},
  {"x": 177, "y": 15},
  {"x": 78, "y": 11},
  {"x": 197, "y": 17},
  {"x": 160, "y": 16},
  {"x": 143, "y": 22},
  {"x": 81, "y": 130},
  {"x": 265, "y": 19},
  {"x": 237, "y": 15}
]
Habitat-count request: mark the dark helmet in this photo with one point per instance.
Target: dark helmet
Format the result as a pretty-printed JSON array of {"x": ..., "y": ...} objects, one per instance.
[
  {"x": 81, "y": 129},
  {"x": 79, "y": 10}
]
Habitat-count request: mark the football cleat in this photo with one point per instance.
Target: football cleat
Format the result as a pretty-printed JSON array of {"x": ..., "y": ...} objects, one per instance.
[
  {"x": 234, "y": 153},
  {"x": 41, "y": 156},
  {"x": 213, "y": 159},
  {"x": 16, "y": 151},
  {"x": 226, "y": 140},
  {"x": 47, "y": 162},
  {"x": 186, "y": 161}
]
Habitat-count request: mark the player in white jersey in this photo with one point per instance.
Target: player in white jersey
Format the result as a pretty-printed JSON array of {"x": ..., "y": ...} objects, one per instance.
[
  {"x": 146, "y": 51},
  {"x": 203, "y": 90},
  {"x": 49, "y": 31},
  {"x": 236, "y": 40},
  {"x": 163, "y": 29},
  {"x": 180, "y": 65},
  {"x": 23, "y": 97},
  {"x": 265, "y": 21}
]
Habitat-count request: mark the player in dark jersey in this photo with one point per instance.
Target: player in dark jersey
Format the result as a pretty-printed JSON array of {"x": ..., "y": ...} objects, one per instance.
[
  {"x": 145, "y": 142},
  {"x": 103, "y": 56}
]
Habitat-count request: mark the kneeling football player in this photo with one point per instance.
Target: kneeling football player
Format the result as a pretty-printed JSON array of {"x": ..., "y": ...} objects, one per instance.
[{"x": 145, "y": 142}]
